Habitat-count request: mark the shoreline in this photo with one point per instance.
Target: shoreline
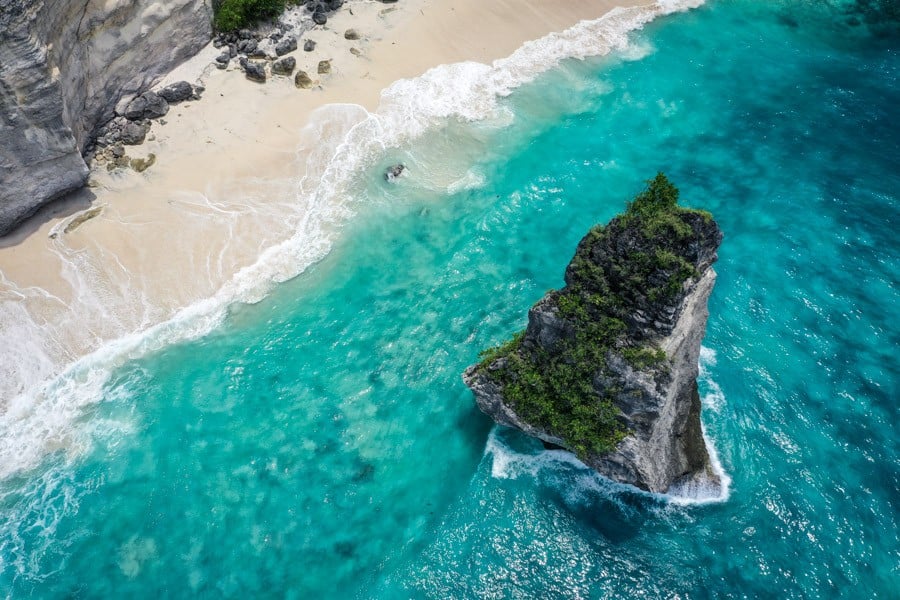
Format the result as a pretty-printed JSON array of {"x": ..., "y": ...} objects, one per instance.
[{"x": 238, "y": 179}]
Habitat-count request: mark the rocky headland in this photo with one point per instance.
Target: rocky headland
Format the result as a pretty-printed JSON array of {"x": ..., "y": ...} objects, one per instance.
[{"x": 607, "y": 366}]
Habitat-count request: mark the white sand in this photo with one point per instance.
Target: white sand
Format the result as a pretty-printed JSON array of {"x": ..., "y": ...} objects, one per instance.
[{"x": 226, "y": 176}]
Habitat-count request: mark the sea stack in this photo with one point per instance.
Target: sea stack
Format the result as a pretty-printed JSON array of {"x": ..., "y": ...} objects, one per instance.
[{"x": 607, "y": 366}]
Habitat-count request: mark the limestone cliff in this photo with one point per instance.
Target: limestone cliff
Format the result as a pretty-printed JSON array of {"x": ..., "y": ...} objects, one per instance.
[
  {"x": 608, "y": 365},
  {"x": 64, "y": 66}
]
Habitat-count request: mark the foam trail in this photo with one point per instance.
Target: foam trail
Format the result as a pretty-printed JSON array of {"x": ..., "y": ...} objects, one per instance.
[
  {"x": 43, "y": 398},
  {"x": 510, "y": 464}
]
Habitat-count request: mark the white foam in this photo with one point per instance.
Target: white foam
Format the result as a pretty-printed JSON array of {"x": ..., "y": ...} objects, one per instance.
[
  {"x": 713, "y": 398},
  {"x": 472, "y": 180},
  {"x": 44, "y": 398},
  {"x": 508, "y": 463}
]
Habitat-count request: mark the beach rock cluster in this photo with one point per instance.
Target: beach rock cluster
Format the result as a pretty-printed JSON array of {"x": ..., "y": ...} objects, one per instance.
[
  {"x": 607, "y": 366},
  {"x": 131, "y": 126},
  {"x": 64, "y": 67},
  {"x": 263, "y": 52},
  {"x": 255, "y": 50}
]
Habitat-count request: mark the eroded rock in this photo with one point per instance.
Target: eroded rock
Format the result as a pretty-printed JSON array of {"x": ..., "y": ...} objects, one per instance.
[{"x": 607, "y": 367}]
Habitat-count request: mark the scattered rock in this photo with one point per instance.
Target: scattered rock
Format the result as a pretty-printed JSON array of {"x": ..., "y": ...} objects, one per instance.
[
  {"x": 393, "y": 172},
  {"x": 247, "y": 46},
  {"x": 132, "y": 133},
  {"x": 319, "y": 18},
  {"x": 117, "y": 151},
  {"x": 286, "y": 45},
  {"x": 254, "y": 71},
  {"x": 355, "y": 51},
  {"x": 223, "y": 59},
  {"x": 309, "y": 46},
  {"x": 351, "y": 34},
  {"x": 177, "y": 92},
  {"x": 302, "y": 80},
  {"x": 142, "y": 164},
  {"x": 284, "y": 66},
  {"x": 387, "y": 1},
  {"x": 324, "y": 67},
  {"x": 148, "y": 105}
]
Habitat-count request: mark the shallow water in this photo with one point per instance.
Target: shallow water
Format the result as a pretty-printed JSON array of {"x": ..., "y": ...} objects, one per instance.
[{"x": 321, "y": 441}]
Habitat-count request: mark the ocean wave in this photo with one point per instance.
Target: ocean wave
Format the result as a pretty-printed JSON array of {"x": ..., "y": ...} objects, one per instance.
[
  {"x": 509, "y": 463},
  {"x": 583, "y": 483},
  {"x": 43, "y": 401}
]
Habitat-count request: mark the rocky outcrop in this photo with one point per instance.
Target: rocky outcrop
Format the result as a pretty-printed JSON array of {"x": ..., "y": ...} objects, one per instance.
[
  {"x": 608, "y": 365},
  {"x": 65, "y": 66}
]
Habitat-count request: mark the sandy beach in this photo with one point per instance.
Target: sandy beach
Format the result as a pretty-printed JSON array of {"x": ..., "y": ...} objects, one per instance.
[{"x": 233, "y": 176}]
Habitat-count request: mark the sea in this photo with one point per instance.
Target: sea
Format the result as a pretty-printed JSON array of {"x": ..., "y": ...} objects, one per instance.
[{"x": 314, "y": 439}]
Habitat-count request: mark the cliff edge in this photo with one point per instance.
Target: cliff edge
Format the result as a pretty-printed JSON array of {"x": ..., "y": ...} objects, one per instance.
[
  {"x": 64, "y": 66},
  {"x": 607, "y": 366}
]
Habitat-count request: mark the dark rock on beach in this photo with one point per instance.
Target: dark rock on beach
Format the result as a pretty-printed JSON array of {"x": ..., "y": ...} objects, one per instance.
[
  {"x": 302, "y": 80},
  {"x": 122, "y": 130},
  {"x": 284, "y": 66},
  {"x": 254, "y": 71},
  {"x": 319, "y": 18},
  {"x": 177, "y": 92},
  {"x": 286, "y": 45},
  {"x": 148, "y": 105},
  {"x": 247, "y": 46},
  {"x": 393, "y": 172},
  {"x": 134, "y": 133},
  {"x": 309, "y": 46}
]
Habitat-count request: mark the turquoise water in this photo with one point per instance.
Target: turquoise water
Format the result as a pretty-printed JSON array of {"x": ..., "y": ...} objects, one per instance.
[{"x": 321, "y": 443}]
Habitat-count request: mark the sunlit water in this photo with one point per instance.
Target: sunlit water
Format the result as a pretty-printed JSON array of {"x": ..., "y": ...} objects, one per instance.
[{"x": 321, "y": 443}]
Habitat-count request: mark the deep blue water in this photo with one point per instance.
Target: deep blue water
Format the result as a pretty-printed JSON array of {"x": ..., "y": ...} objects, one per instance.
[{"x": 322, "y": 444}]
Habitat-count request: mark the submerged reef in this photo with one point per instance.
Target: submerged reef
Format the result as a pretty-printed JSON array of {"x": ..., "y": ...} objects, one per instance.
[{"x": 607, "y": 366}]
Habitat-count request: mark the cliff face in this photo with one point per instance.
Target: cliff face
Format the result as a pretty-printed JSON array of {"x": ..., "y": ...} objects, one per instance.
[
  {"x": 608, "y": 365},
  {"x": 64, "y": 66}
]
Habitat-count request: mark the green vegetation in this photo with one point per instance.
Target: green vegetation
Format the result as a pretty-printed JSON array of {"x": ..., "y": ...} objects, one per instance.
[
  {"x": 234, "y": 14},
  {"x": 644, "y": 357},
  {"x": 635, "y": 262}
]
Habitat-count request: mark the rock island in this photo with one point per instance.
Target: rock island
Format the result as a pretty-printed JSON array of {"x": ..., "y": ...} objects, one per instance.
[{"x": 607, "y": 366}]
